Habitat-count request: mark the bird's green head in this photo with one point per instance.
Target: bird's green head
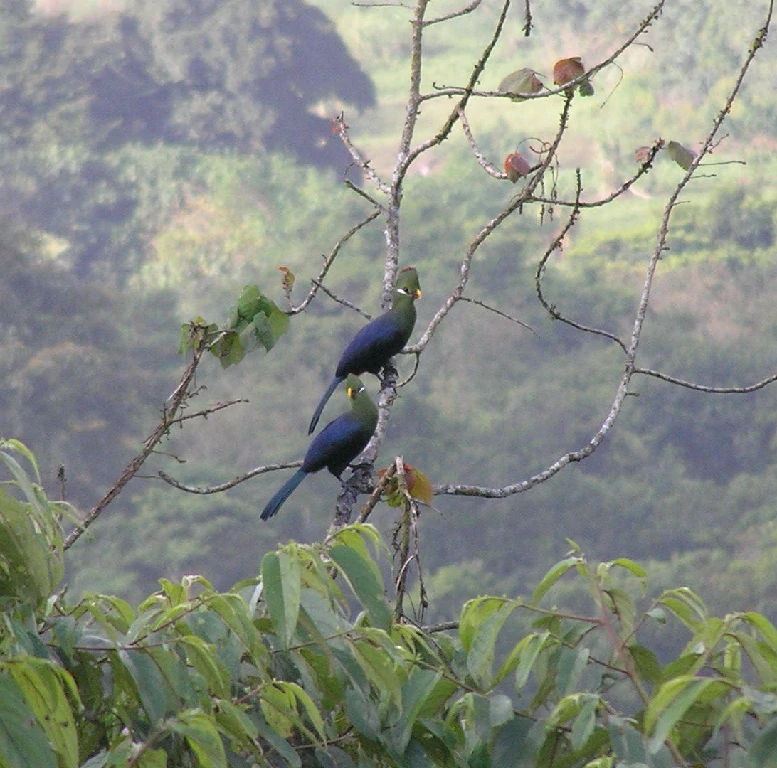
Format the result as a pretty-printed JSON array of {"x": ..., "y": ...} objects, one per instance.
[
  {"x": 361, "y": 402},
  {"x": 353, "y": 386},
  {"x": 407, "y": 283}
]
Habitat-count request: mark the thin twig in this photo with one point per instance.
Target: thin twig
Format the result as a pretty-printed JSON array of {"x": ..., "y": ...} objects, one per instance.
[
  {"x": 342, "y": 301},
  {"x": 479, "y": 156},
  {"x": 369, "y": 172},
  {"x": 175, "y": 401},
  {"x": 742, "y": 390},
  {"x": 551, "y": 309},
  {"x": 204, "y": 490},
  {"x": 500, "y": 313},
  {"x": 317, "y": 281},
  {"x": 455, "y": 14},
  {"x": 372, "y": 502},
  {"x": 488, "y": 229},
  {"x": 205, "y": 412}
]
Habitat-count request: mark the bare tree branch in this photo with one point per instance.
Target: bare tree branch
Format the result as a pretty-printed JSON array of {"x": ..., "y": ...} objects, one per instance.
[
  {"x": 318, "y": 281},
  {"x": 177, "y": 399},
  {"x": 741, "y": 390},
  {"x": 455, "y": 14},
  {"x": 630, "y": 367},
  {"x": 204, "y": 490},
  {"x": 520, "y": 199}
]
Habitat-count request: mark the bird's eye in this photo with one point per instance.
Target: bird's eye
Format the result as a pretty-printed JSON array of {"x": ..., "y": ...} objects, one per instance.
[{"x": 403, "y": 291}]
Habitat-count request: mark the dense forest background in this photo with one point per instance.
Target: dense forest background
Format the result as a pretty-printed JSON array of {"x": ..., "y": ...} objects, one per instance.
[{"x": 158, "y": 156}]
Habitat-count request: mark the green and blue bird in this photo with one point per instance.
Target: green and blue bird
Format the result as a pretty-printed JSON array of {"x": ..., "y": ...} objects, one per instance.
[
  {"x": 378, "y": 341},
  {"x": 338, "y": 443}
]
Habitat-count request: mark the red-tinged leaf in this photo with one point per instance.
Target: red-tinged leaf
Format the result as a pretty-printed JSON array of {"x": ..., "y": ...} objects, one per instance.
[
  {"x": 566, "y": 70},
  {"x": 516, "y": 166},
  {"x": 521, "y": 83},
  {"x": 418, "y": 485},
  {"x": 642, "y": 154},
  {"x": 287, "y": 279},
  {"x": 680, "y": 154}
]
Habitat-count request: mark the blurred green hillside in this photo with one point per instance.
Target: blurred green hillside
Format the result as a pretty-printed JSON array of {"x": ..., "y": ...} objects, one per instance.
[{"x": 686, "y": 480}]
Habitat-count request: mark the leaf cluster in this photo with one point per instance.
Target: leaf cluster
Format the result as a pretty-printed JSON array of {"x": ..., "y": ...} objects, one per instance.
[
  {"x": 254, "y": 322},
  {"x": 304, "y": 665}
]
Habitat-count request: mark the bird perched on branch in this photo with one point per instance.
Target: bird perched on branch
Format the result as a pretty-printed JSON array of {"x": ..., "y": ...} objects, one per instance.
[
  {"x": 338, "y": 443},
  {"x": 379, "y": 340}
]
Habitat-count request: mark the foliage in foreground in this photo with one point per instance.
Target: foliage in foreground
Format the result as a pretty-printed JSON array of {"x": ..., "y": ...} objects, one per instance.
[{"x": 306, "y": 665}]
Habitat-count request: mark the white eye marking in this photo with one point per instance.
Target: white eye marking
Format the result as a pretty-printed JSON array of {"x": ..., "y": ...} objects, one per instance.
[{"x": 403, "y": 291}]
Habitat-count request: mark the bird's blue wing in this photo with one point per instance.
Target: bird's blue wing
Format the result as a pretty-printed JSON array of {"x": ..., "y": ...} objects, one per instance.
[
  {"x": 369, "y": 349},
  {"x": 341, "y": 441}
]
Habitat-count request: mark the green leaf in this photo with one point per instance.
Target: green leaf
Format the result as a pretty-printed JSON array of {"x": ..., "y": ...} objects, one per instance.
[
  {"x": 419, "y": 685},
  {"x": 202, "y": 737},
  {"x": 256, "y": 335},
  {"x": 646, "y": 664},
  {"x": 553, "y": 575},
  {"x": 764, "y": 626},
  {"x": 282, "y": 588},
  {"x": 234, "y": 721},
  {"x": 686, "y": 605},
  {"x": 634, "y": 568},
  {"x": 623, "y": 607},
  {"x": 362, "y": 574},
  {"x": 279, "y": 324},
  {"x": 585, "y": 721},
  {"x": 521, "y": 83},
  {"x": 379, "y": 668},
  {"x": 23, "y": 743},
  {"x": 628, "y": 743},
  {"x": 362, "y": 713},
  {"x": 673, "y": 700},
  {"x": 571, "y": 663},
  {"x": 31, "y": 565},
  {"x": 161, "y": 678},
  {"x": 234, "y": 613},
  {"x": 202, "y": 656},
  {"x": 501, "y": 709},
  {"x": 279, "y": 703},
  {"x": 686, "y": 664},
  {"x": 310, "y": 709},
  {"x": 48, "y": 691},
  {"x": 761, "y": 753},
  {"x": 514, "y": 745},
  {"x": 758, "y": 655},
  {"x": 18, "y": 446},
  {"x": 528, "y": 649},
  {"x": 479, "y": 626},
  {"x": 257, "y": 320},
  {"x": 228, "y": 349},
  {"x": 279, "y": 708},
  {"x": 280, "y": 745},
  {"x": 734, "y": 713},
  {"x": 248, "y": 303},
  {"x": 680, "y": 154}
]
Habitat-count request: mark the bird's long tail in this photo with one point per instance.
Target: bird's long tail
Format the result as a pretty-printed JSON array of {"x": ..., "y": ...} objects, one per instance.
[
  {"x": 286, "y": 490},
  {"x": 336, "y": 381}
]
